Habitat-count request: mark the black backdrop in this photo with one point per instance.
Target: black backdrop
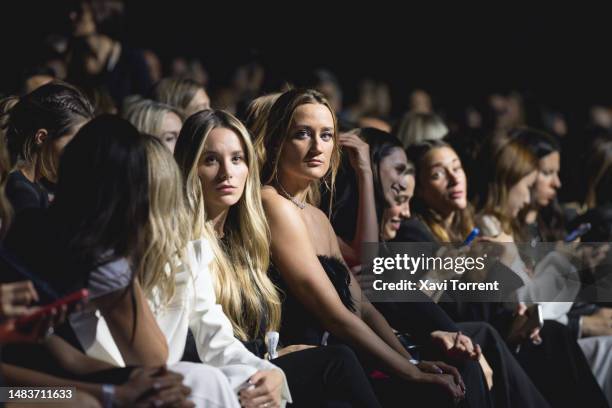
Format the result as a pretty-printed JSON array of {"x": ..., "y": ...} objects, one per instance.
[{"x": 460, "y": 54}]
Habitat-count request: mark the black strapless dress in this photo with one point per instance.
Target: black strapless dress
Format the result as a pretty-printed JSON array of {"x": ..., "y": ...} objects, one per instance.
[{"x": 299, "y": 326}]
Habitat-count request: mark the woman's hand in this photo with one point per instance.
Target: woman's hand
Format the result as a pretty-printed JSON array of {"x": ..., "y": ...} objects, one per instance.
[
  {"x": 598, "y": 324},
  {"x": 36, "y": 331},
  {"x": 457, "y": 345},
  {"x": 518, "y": 332},
  {"x": 486, "y": 370},
  {"x": 444, "y": 375},
  {"x": 15, "y": 299},
  {"x": 155, "y": 386},
  {"x": 265, "y": 392},
  {"x": 358, "y": 152},
  {"x": 293, "y": 348}
]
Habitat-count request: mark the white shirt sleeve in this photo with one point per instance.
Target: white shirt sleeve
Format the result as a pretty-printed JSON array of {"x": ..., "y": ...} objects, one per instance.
[{"x": 212, "y": 330}]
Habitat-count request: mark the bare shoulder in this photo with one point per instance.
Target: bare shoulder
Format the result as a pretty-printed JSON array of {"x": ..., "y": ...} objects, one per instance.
[
  {"x": 279, "y": 210},
  {"x": 271, "y": 197},
  {"x": 318, "y": 214}
]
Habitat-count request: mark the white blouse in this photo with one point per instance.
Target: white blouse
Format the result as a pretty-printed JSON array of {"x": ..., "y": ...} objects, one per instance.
[{"x": 194, "y": 307}]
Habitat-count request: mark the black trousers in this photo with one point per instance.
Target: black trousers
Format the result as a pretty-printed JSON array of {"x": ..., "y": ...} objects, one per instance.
[
  {"x": 512, "y": 387},
  {"x": 327, "y": 377},
  {"x": 560, "y": 370}
]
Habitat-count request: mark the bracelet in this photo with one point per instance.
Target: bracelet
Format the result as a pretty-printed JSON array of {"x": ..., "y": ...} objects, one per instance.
[{"x": 108, "y": 395}]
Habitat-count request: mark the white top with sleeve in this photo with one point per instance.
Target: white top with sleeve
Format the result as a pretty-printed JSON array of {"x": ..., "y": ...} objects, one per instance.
[{"x": 194, "y": 306}]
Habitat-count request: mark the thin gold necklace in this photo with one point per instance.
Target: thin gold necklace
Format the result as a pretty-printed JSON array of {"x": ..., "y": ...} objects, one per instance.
[{"x": 301, "y": 204}]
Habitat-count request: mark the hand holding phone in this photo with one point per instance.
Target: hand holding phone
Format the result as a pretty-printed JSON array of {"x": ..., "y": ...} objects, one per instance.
[
  {"x": 578, "y": 232},
  {"x": 66, "y": 304}
]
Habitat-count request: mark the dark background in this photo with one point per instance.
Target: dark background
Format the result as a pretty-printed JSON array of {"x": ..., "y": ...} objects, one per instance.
[{"x": 557, "y": 57}]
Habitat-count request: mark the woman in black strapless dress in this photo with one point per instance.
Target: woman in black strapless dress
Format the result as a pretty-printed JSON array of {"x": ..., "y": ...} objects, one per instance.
[{"x": 299, "y": 149}]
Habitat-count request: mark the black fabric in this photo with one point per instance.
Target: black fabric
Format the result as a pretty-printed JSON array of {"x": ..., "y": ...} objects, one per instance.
[
  {"x": 560, "y": 370},
  {"x": 299, "y": 326},
  {"x": 35, "y": 240},
  {"x": 413, "y": 230},
  {"x": 23, "y": 194},
  {"x": 512, "y": 387},
  {"x": 325, "y": 377},
  {"x": 129, "y": 76}
]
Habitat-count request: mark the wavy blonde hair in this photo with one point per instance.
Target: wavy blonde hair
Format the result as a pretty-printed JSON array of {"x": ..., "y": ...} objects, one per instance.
[
  {"x": 274, "y": 134},
  {"x": 240, "y": 265},
  {"x": 168, "y": 230}
]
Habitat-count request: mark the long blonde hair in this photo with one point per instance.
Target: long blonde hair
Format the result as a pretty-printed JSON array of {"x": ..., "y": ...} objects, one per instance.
[
  {"x": 168, "y": 230},
  {"x": 240, "y": 266},
  {"x": 276, "y": 132}
]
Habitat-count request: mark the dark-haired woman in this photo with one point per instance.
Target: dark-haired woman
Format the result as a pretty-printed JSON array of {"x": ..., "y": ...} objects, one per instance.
[
  {"x": 93, "y": 236},
  {"x": 38, "y": 127}
]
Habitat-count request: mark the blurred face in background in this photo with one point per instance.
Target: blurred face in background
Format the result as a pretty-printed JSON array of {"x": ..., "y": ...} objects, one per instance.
[
  {"x": 398, "y": 209},
  {"x": 443, "y": 181},
  {"x": 519, "y": 195},
  {"x": 392, "y": 170},
  {"x": 547, "y": 181},
  {"x": 200, "y": 102},
  {"x": 170, "y": 129}
]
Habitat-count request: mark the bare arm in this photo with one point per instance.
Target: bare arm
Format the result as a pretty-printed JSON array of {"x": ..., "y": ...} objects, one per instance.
[
  {"x": 369, "y": 314},
  {"x": 71, "y": 359},
  {"x": 367, "y": 222},
  {"x": 19, "y": 376},
  {"x": 309, "y": 283},
  {"x": 148, "y": 347}
]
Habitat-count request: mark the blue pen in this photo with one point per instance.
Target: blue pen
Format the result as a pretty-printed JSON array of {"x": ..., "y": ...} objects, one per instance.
[{"x": 472, "y": 236}]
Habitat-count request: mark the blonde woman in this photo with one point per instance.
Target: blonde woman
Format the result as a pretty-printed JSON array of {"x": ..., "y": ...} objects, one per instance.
[
  {"x": 218, "y": 162},
  {"x": 184, "y": 94},
  {"x": 177, "y": 283},
  {"x": 156, "y": 119}
]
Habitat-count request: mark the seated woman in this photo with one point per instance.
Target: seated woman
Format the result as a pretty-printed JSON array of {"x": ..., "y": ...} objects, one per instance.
[
  {"x": 217, "y": 158},
  {"x": 38, "y": 128},
  {"x": 394, "y": 178},
  {"x": 94, "y": 235},
  {"x": 544, "y": 222},
  {"x": 324, "y": 304},
  {"x": 443, "y": 214},
  {"x": 355, "y": 171}
]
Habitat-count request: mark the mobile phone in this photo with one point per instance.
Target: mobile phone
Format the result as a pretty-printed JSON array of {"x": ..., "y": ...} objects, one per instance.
[
  {"x": 70, "y": 301},
  {"x": 535, "y": 318},
  {"x": 578, "y": 232},
  {"x": 472, "y": 235}
]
